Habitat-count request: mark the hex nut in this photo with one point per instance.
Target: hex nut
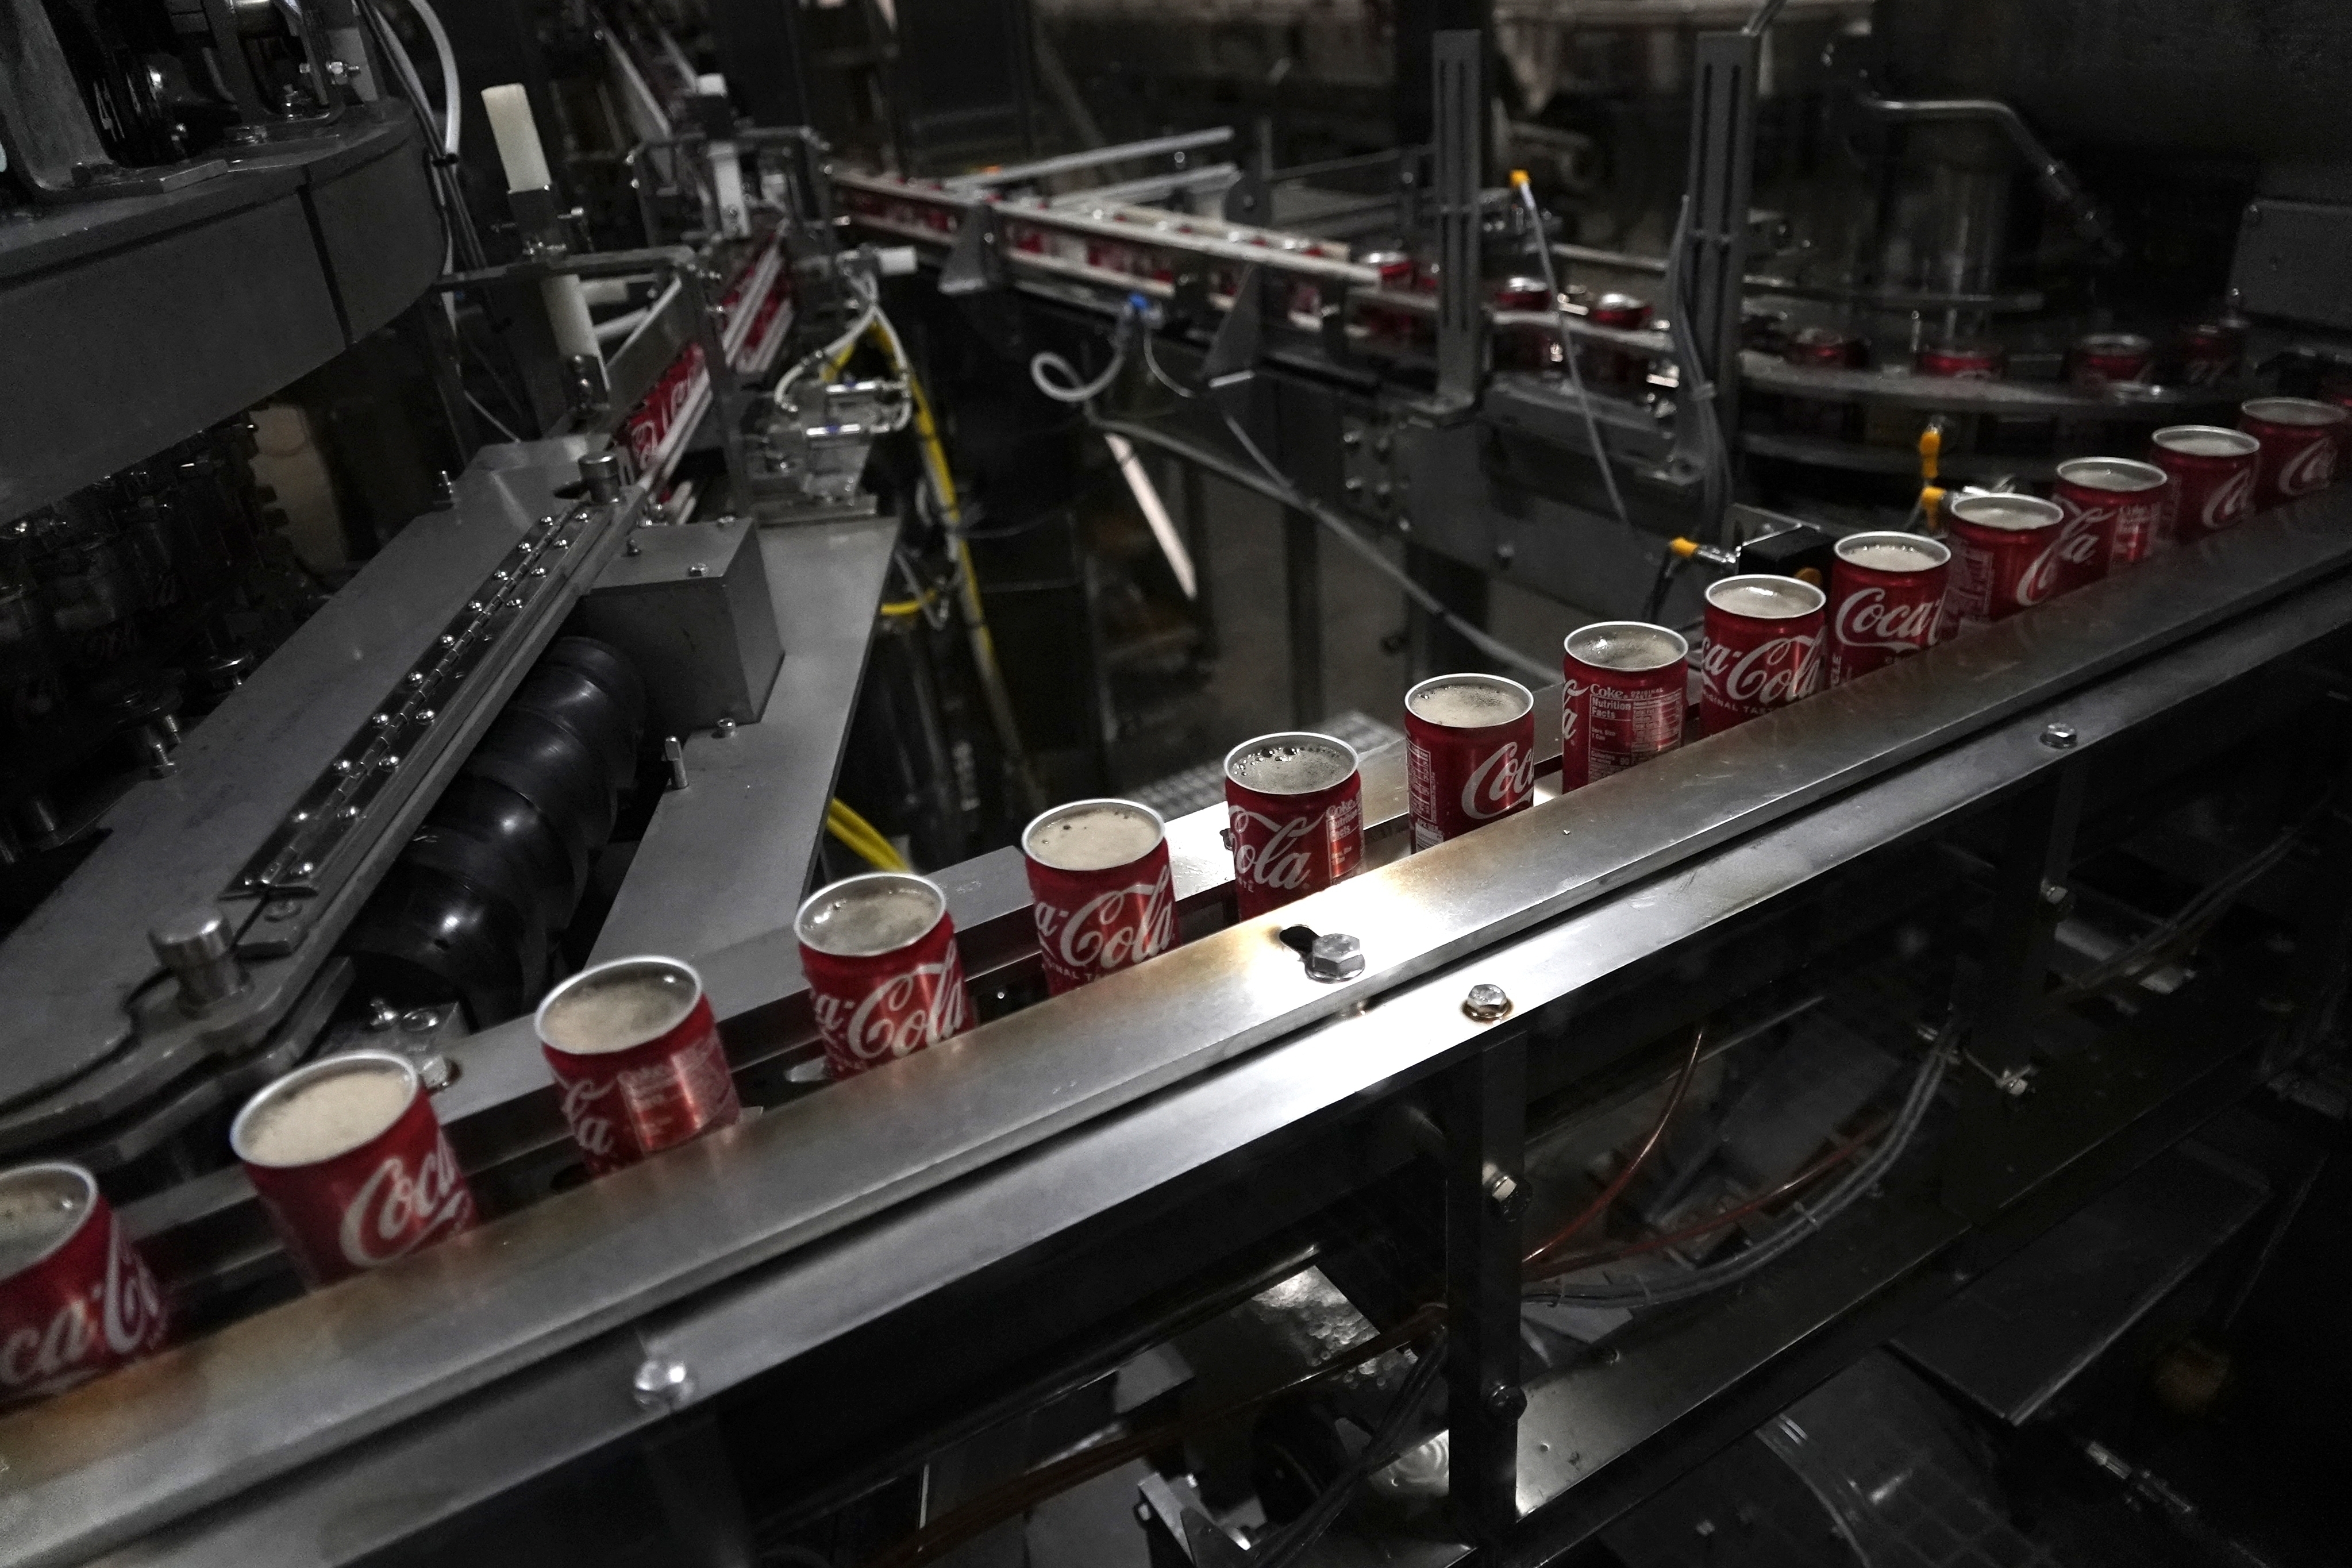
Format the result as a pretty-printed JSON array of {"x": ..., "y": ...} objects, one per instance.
[{"x": 1486, "y": 1003}]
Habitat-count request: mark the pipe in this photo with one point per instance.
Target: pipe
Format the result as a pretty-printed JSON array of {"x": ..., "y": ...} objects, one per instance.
[{"x": 2058, "y": 184}]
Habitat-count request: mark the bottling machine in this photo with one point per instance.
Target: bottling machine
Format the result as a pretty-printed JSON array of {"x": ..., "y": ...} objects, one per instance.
[{"x": 449, "y": 538}]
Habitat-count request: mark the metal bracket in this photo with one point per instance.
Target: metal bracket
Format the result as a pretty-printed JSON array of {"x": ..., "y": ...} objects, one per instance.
[{"x": 975, "y": 263}]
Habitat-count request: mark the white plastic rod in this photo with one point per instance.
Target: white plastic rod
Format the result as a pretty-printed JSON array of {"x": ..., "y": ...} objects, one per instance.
[
  {"x": 509, "y": 108},
  {"x": 1163, "y": 528}
]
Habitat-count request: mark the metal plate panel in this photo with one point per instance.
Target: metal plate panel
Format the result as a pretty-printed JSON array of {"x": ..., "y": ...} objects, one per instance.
[
  {"x": 71, "y": 969},
  {"x": 728, "y": 857},
  {"x": 2295, "y": 260},
  {"x": 2012, "y": 1339},
  {"x": 381, "y": 234}
]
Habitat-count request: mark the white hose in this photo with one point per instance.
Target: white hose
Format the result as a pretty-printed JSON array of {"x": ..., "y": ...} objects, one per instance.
[{"x": 453, "y": 121}]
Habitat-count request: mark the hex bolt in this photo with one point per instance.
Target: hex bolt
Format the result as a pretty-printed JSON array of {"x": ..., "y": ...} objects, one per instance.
[
  {"x": 435, "y": 1070},
  {"x": 662, "y": 1381},
  {"x": 697, "y": 569},
  {"x": 195, "y": 946},
  {"x": 380, "y": 1015},
  {"x": 2059, "y": 737},
  {"x": 1335, "y": 956},
  {"x": 1507, "y": 1400},
  {"x": 724, "y": 729},
  {"x": 1486, "y": 1003},
  {"x": 1507, "y": 1195}
]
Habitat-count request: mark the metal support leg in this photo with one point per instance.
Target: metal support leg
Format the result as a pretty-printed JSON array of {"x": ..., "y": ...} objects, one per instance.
[
  {"x": 1196, "y": 540},
  {"x": 1722, "y": 175},
  {"x": 2031, "y": 897},
  {"x": 699, "y": 1499},
  {"x": 1437, "y": 648},
  {"x": 1486, "y": 1134},
  {"x": 1459, "y": 106},
  {"x": 1302, "y": 573}
]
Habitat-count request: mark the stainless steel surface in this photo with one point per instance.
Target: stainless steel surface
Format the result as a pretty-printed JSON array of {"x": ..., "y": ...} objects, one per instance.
[
  {"x": 2015, "y": 1338},
  {"x": 198, "y": 947},
  {"x": 276, "y": 1392},
  {"x": 1900, "y": 387},
  {"x": 728, "y": 857},
  {"x": 1092, "y": 158},
  {"x": 76, "y": 972},
  {"x": 690, "y": 605}
]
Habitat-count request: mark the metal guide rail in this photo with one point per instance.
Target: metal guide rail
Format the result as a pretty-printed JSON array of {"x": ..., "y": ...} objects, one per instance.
[{"x": 660, "y": 1243}]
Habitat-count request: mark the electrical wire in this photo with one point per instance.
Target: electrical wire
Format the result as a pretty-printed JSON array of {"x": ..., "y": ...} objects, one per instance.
[
  {"x": 1807, "y": 1222},
  {"x": 495, "y": 422},
  {"x": 1274, "y": 486},
  {"x": 1803, "y": 1178},
  {"x": 1568, "y": 347},
  {"x": 1292, "y": 1541},
  {"x": 1064, "y": 385},
  {"x": 1609, "y": 1195},
  {"x": 1694, "y": 394},
  {"x": 992, "y": 1508},
  {"x": 862, "y": 837}
]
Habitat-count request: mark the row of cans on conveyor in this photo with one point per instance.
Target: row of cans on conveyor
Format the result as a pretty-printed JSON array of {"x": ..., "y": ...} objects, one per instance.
[{"x": 349, "y": 1156}]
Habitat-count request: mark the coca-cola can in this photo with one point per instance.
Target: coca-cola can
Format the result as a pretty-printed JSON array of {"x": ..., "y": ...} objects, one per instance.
[
  {"x": 2300, "y": 439},
  {"x": 1624, "y": 692},
  {"x": 1469, "y": 754},
  {"x": 2103, "y": 358},
  {"x": 1960, "y": 361},
  {"x": 1622, "y": 369},
  {"x": 1824, "y": 349},
  {"x": 1522, "y": 293},
  {"x": 2115, "y": 508},
  {"x": 351, "y": 1165},
  {"x": 2004, "y": 555},
  {"x": 2210, "y": 351},
  {"x": 75, "y": 1299},
  {"x": 885, "y": 978},
  {"x": 1886, "y": 600},
  {"x": 635, "y": 1052},
  {"x": 1099, "y": 887},
  {"x": 1763, "y": 647},
  {"x": 1295, "y": 810},
  {"x": 2212, "y": 473}
]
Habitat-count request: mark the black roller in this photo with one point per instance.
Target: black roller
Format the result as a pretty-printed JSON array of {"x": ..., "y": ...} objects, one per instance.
[
  {"x": 488, "y": 809},
  {"x": 609, "y": 668},
  {"x": 484, "y": 866},
  {"x": 577, "y": 701},
  {"x": 546, "y": 763},
  {"x": 428, "y": 937}
]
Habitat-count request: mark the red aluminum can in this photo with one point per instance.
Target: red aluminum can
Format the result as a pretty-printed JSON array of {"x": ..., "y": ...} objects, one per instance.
[
  {"x": 2004, "y": 555},
  {"x": 1763, "y": 647},
  {"x": 1099, "y": 887},
  {"x": 1295, "y": 805},
  {"x": 2300, "y": 438},
  {"x": 635, "y": 1047},
  {"x": 351, "y": 1165},
  {"x": 2105, "y": 358},
  {"x": 1960, "y": 361},
  {"x": 2114, "y": 506},
  {"x": 1624, "y": 693},
  {"x": 2210, "y": 353},
  {"x": 885, "y": 978},
  {"x": 2212, "y": 473},
  {"x": 1395, "y": 269},
  {"x": 1522, "y": 293},
  {"x": 1470, "y": 754},
  {"x": 1886, "y": 600},
  {"x": 1619, "y": 368},
  {"x": 1822, "y": 348},
  {"x": 75, "y": 1299}
]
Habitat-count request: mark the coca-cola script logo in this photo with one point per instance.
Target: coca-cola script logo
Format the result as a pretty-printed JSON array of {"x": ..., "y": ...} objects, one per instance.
[
  {"x": 2079, "y": 541},
  {"x": 593, "y": 1131},
  {"x": 1498, "y": 783},
  {"x": 1283, "y": 858},
  {"x": 1866, "y": 620},
  {"x": 397, "y": 1210},
  {"x": 2229, "y": 500},
  {"x": 2313, "y": 468},
  {"x": 1567, "y": 720},
  {"x": 1767, "y": 675},
  {"x": 915, "y": 1008},
  {"x": 2040, "y": 578},
  {"x": 119, "y": 1317},
  {"x": 1096, "y": 938}
]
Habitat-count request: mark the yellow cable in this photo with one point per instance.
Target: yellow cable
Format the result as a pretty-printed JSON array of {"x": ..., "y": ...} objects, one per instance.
[{"x": 862, "y": 837}]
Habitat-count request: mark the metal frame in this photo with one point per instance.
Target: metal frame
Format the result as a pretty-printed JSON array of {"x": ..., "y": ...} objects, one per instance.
[{"x": 836, "y": 1209}]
